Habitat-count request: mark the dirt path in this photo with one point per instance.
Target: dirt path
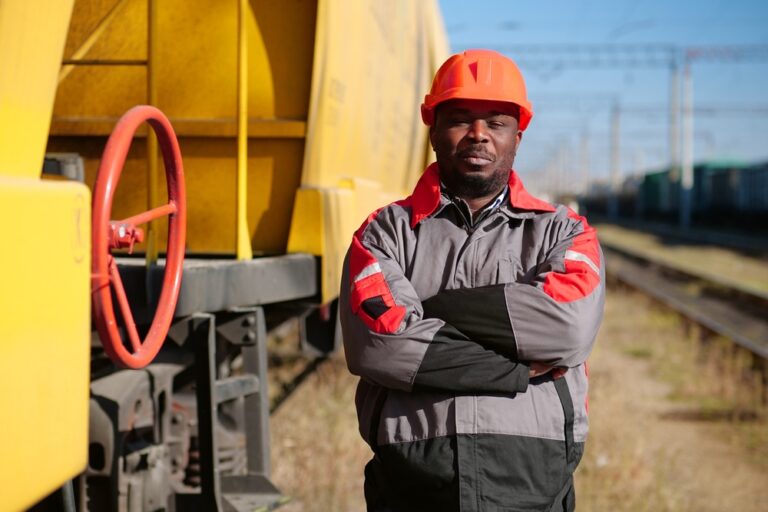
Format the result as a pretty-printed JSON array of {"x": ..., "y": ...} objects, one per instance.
[{"x": 645, "y": 451}]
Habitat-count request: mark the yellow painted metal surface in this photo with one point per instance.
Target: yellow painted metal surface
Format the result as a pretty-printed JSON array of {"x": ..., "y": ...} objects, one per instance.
[
  {"x": 332, "y": 92},
  {"x": 153, "y": 199},
  {"x": 44, "y": 336},
  {"x": 244, "y": 250},
  {"x": 44, "y": 269},
  {"x": 330, "y": 100},
  {"x": 438, "y": 49},
  {"x": 366, "y": 145},
  {"x": 365, "y": 100},
  {"x": 324, "y": 220},
  {"x": 30, "y": 53},
  {"x": 196, "y": 75}
]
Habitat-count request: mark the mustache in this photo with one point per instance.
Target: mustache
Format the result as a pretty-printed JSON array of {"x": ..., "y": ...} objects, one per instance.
[{"x": 475, "y": 151}]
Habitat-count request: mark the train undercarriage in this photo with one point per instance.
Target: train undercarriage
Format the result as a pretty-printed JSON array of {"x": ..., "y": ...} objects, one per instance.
[{"x": 191, "y": 430}]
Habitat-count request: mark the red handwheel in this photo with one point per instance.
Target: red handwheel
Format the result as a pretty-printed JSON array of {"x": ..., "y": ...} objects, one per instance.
[{"x": 108, "y": 235}]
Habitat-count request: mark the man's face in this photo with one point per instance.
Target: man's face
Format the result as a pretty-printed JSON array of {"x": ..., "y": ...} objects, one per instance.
[{"x": 475, "y": 142}]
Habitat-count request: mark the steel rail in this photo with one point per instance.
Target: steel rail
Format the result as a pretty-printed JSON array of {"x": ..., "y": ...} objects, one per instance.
[
  {"x": 288, "y": 387},
  {"x": 731, "y": 319},
  {"x": 753, "y": 293}
]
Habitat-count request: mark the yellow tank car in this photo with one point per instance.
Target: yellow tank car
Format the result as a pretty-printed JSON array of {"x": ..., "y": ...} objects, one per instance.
[
  {"x": 280, "y": 128},
  {"x": 295, "y": 119},
  {"x": 44, "y": 271}
]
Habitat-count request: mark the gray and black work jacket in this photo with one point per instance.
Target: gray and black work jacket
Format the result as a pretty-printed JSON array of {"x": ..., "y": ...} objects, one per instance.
[{"x": 439, "y": 317}]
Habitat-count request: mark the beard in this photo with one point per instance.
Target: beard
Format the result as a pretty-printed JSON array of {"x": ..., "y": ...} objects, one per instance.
[{"x": 474, "y": 185}]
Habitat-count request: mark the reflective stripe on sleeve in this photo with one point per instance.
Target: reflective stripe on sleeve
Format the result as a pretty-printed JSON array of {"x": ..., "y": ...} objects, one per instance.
[
  {"x": 371, "y": 269},
  {"x": 581, "y": 273},
  {"x": 577, "y": 256}
]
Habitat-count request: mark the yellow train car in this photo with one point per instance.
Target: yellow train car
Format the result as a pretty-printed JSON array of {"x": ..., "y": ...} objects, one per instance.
[{"x": 295, "y": 118}]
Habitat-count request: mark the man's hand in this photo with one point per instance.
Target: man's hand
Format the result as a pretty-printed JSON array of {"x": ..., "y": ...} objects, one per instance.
[{"x": 537, "y": 369}]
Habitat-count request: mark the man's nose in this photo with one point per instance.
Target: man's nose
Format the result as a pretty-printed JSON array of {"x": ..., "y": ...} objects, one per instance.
[{"x": 478, "y": 131}]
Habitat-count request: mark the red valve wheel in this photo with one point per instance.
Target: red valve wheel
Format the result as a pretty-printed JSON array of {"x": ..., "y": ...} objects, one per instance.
[{"x": 108, "y": 235}]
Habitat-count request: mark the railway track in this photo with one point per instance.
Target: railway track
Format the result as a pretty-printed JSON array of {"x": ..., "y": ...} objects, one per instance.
[
  {"x": 736, "y": 312},
  {"x": 284, "y": 383},
  {"x": 743, "y": 242},
  {"x": 288, "y": 366}
]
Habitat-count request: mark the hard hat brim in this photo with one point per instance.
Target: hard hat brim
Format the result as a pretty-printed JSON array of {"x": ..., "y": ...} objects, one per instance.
[{"x": 432, "y": 101}]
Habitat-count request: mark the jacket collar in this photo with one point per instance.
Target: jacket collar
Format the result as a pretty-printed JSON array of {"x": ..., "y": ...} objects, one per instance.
[{"x": 425, "y": 199}]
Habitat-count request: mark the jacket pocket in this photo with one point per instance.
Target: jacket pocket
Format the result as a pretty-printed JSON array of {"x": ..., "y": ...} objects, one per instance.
[
  {"x": 520, "y": 471},
  {"x": 421, "y": 475},
  {"x": 507, "y": 268},
  {"x": 510, "y": 270}
]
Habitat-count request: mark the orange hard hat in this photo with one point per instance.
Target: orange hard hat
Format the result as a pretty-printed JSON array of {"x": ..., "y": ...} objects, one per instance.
[{"x": 478, "y": 75}]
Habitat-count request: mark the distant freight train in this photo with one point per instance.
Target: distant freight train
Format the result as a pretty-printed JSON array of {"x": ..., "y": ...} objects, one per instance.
[{"x": 725, "y": 194}]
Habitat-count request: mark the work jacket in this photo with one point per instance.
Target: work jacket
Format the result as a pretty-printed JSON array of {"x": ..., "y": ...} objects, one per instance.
[{"x": 439, "y": 317}]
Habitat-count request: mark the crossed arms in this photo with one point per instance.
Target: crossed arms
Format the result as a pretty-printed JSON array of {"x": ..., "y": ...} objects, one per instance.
[{"x": 478, "y": 340}]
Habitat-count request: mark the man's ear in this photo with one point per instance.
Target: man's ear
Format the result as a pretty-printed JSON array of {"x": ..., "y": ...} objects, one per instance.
[
  {"x": 431, "y": 136},
  {"x": 519, "y": 139}
]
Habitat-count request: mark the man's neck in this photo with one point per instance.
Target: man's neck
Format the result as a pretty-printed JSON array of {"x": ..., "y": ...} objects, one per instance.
[
  {"x": 476, "y": 207},
  {"x": 478, "y": 204}
]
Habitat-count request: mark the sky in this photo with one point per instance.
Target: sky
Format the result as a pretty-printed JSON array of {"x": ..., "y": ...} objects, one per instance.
[{"x": 574, "y": 91}]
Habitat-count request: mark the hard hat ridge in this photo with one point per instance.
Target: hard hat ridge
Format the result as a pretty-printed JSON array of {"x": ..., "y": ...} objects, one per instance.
[{"x": 478, "y": 75}]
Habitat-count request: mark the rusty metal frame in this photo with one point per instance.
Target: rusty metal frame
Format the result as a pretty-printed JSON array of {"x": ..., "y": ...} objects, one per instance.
[{"x": 247, "y": 328}]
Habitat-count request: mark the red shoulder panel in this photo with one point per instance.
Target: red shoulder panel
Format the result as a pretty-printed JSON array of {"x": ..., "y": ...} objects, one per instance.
[
  {"x": 368, "y": 283},
  {"x": 582, "y": 266},
  {"x": 426, "y": 196}
]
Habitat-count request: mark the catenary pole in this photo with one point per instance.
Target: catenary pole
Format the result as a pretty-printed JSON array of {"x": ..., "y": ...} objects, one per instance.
[
  {"x": 613, "y": 202},
  {"x": 686, "y": 179}
]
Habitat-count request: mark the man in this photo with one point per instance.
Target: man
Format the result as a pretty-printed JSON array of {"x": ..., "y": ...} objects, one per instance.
[{"x": 468, "y": 310}]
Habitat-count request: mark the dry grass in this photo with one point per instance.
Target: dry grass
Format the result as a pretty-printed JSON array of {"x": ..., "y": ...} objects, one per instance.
[
  {"x": 318, "y": 455},
  {"x": 671, "y": 425},
  {"x": 662, "y": 443},
  {"x": 620, "y": 469}
]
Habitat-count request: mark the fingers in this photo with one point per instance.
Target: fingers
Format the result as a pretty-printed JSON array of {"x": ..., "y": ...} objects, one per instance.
[
  {"x": 558, "y": 372},
  {"x": 538, "y": 369}
]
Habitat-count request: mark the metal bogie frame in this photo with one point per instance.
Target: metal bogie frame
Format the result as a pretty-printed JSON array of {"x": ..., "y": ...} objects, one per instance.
[
  {"x": 245, "y": 328},
  {"x": 163, "y": 438},
  {"x": 213, "y": 284},
  {"x": 191, "y": 430}
]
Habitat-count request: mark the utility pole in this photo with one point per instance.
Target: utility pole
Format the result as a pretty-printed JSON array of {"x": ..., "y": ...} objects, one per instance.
[
  {"x": 551, "y": 173},
  {"x": 584, "y": 163},
  {"x": 613, "y": 200},
  {"x": 639, "y": 166},
  {"x": 686, "y": 178},
  {"x": 674, "y": 118},
  {"x": 639, "y": 161},
  {"x": 556, "y": 164},
  {"x": 563, "y": 161}
]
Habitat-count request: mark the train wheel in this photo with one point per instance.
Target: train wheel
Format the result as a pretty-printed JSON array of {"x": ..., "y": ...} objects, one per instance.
[{"x": 108, "y": 235}]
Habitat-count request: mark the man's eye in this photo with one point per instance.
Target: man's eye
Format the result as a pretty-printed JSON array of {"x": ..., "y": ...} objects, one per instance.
[{"x": 496, "y": 124}]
